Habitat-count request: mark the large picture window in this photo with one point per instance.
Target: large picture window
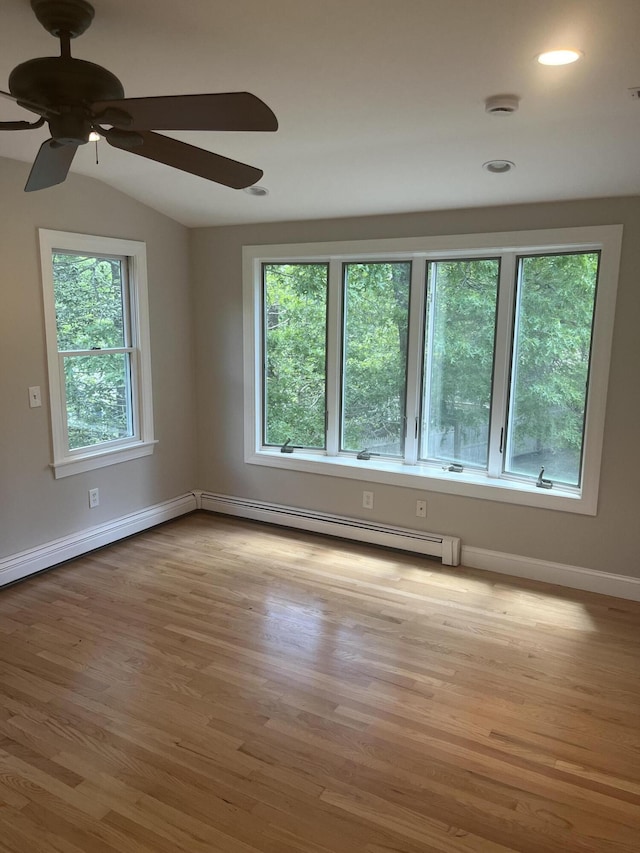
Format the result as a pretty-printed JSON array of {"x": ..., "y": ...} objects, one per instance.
[
  {"x": 471, "y": 365},
  {"x": 97, "y": 341}
]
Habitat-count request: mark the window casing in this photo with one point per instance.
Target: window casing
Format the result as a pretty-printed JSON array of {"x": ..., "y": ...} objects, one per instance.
[
  {"x": 97, "y": 333},
  {"x": 457, "y": 366}
]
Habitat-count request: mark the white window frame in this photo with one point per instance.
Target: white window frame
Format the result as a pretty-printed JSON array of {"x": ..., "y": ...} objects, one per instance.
[
  {"x": 606, "y": 239},
  {"x": 65, "y": 461}
]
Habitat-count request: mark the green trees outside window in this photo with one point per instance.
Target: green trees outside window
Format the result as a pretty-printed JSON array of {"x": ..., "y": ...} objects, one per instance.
[
  {"x": 461, "y": 304},
  {"x": 295, "y": 345},
  {"x": 550, "y": 365},
  {"x": 94, "y": 347},
  {"x": 533, "y": 418},
  {"x": 374, "y": 374}
]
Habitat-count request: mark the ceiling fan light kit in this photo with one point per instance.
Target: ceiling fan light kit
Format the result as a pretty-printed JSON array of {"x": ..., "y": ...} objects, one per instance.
[{"x": 77, "y": 98}]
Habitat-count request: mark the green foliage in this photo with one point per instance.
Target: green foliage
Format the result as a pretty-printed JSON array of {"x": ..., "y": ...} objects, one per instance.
[
  {"x": 88, "y": 300},
  {"x": 459, "y": 344},
  {"x": 295, "y": 315},
  {"x": 88, "y": 295},
  {"x": 376, "y": 309},
  {"x": 552, "y": 348},
  {"x": 376, "y": 322},
  {"x": 557, "y": 295},
  {"x": 97, "y": 391}
]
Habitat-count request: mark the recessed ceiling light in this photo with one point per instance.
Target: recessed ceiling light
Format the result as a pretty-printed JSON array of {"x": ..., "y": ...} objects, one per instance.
[
  {"x": 559, "y": 57},
  {"x": 256, "y": 189},
  {"x": 498, "y": 167}
]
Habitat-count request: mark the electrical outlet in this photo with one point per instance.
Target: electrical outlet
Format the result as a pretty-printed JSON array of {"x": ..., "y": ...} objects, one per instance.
[
  {"x": 367, "y": 500},
  {"x": 421, "y": 509},
  {"x": 94, "y": 498}
]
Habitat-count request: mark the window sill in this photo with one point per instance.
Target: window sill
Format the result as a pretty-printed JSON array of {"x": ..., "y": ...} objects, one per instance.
[
  {"x": 430, "y": 478},
  {"x": 101, "y": 458}
]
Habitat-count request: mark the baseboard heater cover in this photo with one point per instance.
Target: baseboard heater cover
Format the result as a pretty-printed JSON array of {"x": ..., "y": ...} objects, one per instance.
[{"x": 447, "y": 548}]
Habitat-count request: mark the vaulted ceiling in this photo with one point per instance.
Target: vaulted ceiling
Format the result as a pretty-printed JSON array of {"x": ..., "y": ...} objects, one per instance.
[{"x": 381, "y": 103}]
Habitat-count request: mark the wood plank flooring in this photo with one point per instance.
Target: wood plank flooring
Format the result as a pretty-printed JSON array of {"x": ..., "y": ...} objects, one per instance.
[{"x": 219, "y": 685}]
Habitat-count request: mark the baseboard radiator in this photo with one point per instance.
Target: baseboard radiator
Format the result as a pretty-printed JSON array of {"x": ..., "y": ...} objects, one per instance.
[{"x": 447, "y": 548}]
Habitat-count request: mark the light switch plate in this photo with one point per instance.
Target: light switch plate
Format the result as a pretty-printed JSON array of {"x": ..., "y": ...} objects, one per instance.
[{"x": 35, "y": 399}]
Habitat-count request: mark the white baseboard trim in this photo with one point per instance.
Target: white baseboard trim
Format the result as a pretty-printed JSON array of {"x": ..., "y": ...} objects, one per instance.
[
  {"x": 26, "y": 563},
  {"x": 575, "y": 577},
  {"x": 447, "y": 548},
  {"x": 45, "y": 556}
]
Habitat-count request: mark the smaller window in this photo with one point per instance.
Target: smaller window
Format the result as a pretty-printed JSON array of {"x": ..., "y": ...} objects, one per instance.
[{"x": 95, "y": 301}]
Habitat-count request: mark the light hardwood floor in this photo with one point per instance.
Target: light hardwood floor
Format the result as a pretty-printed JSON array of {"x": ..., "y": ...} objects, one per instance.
[{"x": 218, "y": 685}]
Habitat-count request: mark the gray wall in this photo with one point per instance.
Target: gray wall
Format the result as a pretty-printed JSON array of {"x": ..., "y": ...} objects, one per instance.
[
  {"x": 34, "y": 507},
  {"x": 608, "y": 542},
  {"x": 195, "y": 289}
]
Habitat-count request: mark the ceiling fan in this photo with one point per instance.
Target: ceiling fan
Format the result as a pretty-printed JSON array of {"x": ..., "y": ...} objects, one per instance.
[{"x": 75, "y": 97}]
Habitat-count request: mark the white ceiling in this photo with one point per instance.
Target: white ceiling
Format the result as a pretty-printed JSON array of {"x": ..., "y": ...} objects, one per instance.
[{"x": 380, "y": 102}]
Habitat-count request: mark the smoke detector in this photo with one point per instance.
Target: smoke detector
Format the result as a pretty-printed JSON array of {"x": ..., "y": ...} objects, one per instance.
[{"x": 502, "y": 105}]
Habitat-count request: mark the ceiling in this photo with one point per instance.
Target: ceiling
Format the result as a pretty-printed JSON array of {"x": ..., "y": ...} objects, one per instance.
[{"x": 380, "y": 102}]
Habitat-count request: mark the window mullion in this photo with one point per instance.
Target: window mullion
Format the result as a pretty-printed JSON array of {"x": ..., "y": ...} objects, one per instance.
[
  {"x": 414, "y": 359},
  {"x": 502, "y": 364},
  {"x": 429, "y": 315},
  {"x": 334, "y": 356}
]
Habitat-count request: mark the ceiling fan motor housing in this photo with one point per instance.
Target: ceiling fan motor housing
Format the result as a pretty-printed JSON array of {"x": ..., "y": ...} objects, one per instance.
[{"x": 64, "y": 89}]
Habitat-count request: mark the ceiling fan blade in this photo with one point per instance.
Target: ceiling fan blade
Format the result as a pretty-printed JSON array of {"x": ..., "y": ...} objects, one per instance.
[
  {"x": 51, "y": 165},
  {"x": 224, "y": 111},
  {"x": 28, "y": 105},
  {"x": 188, "y": 158}
]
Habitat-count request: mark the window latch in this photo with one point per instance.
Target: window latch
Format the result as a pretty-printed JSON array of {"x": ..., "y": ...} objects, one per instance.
[
  {"x": 455, "y": 467},
  {"x": 286, "y": 447},
  {"x": 541, "y": 483},
  {"x": 366, "y": 454}
]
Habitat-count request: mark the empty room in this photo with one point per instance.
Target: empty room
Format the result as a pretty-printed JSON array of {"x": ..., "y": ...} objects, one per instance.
[{"x": 319, "y": 515}]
